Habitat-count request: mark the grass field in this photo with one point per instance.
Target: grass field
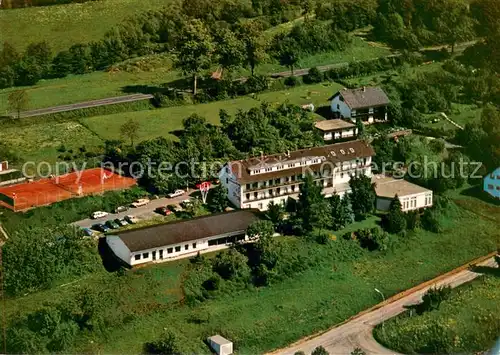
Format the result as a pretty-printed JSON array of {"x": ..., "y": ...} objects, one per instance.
[
  {"x": 460, "y": 114},
  {"x": 39, "y": 142},
  {"x": 64, "y": 25},
  {"x": 468, "y": 322},
  {"x": 260, "y": 319},
  {"x": 163, "y": 121},
  {"x": 78, "y": 88}
]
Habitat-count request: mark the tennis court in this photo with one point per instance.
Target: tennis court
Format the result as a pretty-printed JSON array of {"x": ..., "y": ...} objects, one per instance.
[{"x": 47, "y": 191}]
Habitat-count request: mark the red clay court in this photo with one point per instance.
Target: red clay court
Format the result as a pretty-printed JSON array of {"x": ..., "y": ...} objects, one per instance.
[{"x": 46, "y": 191}]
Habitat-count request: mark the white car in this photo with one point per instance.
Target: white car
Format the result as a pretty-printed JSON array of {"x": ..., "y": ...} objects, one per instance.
[
  {"x": 99, "y": 214},
  {"x": 140, "y": 202},
  {"x": 176, "y": 193}
]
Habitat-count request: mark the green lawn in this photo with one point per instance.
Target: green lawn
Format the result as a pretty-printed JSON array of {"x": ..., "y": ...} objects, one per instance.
[
  {"x": 64, "y": 25},
  {"x": 466, "y": 323},
  {"x": 261, "y": 319},
  {"x": 162, "y": 122},
  {"x": 460, "y": 113},
  {"x": 97, "y": 85},
  {"x": 39, "y": 142},
  {"x": 78, "y": 88}
]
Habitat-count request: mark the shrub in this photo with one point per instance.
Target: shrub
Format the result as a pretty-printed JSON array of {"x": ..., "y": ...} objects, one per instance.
[
  {"x": 292, "y": 81},
  {"x": 320, "y": 351},
  {"x": 168, "y": 344},
  {"x": 256, "y": 83},
  {"x": 313, "y": 76}
]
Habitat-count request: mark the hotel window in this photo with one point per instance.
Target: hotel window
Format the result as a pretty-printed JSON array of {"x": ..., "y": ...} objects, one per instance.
[
  {"x": 248, "y": 187},
  {"x": 194, "y": 245},
  {"x": 255, "y": 195},
  {"x": 186, "y": 247},
  {"x": 270, "y": 182},
  {"x": 145, "y": 255},
  {"x": 161, "y": 253},
  {"x": 338, "y": 106},
  {"x": 260, "y": 206},
  {"x": 178, "y": 248},
  {"x": 490, "y": 187},
  {"x": 248, "y": 196},
  {"x": 170, "y": 250},
  {"x": 137, "y": 257},
  {"x": 498, "y": 188}
]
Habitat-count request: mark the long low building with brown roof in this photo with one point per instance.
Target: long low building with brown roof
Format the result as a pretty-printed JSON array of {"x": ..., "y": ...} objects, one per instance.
[
  {"x": 182, "y": 238},
  {"x": 256, "y": 182}
]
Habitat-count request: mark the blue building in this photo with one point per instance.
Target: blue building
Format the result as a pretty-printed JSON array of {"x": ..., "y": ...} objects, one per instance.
[{"x": 492, "y": 183}]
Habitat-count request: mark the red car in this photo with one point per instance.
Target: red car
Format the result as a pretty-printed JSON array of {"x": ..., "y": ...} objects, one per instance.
[{"x": 163, "y": 211}]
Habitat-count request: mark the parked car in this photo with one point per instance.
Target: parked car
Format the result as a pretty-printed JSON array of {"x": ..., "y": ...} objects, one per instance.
[
  {"x": 101, "y": 228},
  {"x": 99, "y": 214},
  {"x": 185, "y": 203},
  {"x": 87, "y": 232},
  {"x": 176, "y": 193},
  {"x": 112, "y": 224},
  {"x": 121, "y": 209},
  {"x": 131, "y": 219},
  {"x": 172, "y": 208},
  {"x": 140, "y": 202},
  {"x": 163, "y": 211},
  {"x": 121, "y": 222}
]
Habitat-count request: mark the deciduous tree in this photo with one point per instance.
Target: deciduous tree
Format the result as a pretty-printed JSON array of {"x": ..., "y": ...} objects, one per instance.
[
  {"x": 195, "y": 50},
  {"x": 130, "y": 130},
  {"x": 18, "y": 101}
]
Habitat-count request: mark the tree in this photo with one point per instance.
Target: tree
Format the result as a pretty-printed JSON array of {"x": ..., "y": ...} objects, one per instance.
[
  {"x": 230, "y": 50},
  {"x": 255, "y": 46},
  {"x": 232, "y": 265},
  {"x": 275, "y": 213},
  {"x": 362, "y": 196},
  {"x": 195, "y": 50},
  {"x": 130, "y": 130},
  {"x": 396, "y": 220},
  {"x": 260, "y": 229},
  {"x": 288, "y": 54},
  {"x": 312, "y": 205},
  {"x": 341, "y": 211},
  {"x": 18, "y": 101},
  {"x": 219, "y": 198},
  {"x": 454, "y": 23},
  {"x": 320, "y": 351}
]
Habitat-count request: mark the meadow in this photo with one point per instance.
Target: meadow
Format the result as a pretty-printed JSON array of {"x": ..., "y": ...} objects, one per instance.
[
  {"x": 40, "y": 141},
  {"x": 167, "y": 120},
  {"x": 61, "y": 26},
  {"x": 466, "y": 323},
  {"x": 155, "y": 71},
  {"x": 265, "y": 318}
]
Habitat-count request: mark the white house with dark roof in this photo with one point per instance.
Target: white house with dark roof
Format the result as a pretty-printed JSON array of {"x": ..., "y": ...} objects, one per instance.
[
  {"x": 492, "y": 183},
  {"x": 181, "y": 239},
  {"x": 258, "y": 181},
  {"x": 366, "y": 104}
]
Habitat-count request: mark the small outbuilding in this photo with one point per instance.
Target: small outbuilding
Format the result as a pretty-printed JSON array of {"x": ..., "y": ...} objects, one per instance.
[
  {"x": 412, "y": 197},
  {"x": 220, "y": 345},
  {"x": 336, "y": 130}
]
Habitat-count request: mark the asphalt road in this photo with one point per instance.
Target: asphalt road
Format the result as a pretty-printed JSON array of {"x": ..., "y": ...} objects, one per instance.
[
  {"x": 357, "y": 333},
  {"x": 142, "y": 213},
  {"x": 86, "y": 104}
]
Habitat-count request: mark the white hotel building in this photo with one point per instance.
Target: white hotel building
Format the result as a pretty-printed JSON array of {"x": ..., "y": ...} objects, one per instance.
[{"x": 255, "y": 182}]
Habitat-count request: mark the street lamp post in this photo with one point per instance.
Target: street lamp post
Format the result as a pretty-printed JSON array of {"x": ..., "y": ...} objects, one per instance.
[{"x": 383, "y": 300}]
